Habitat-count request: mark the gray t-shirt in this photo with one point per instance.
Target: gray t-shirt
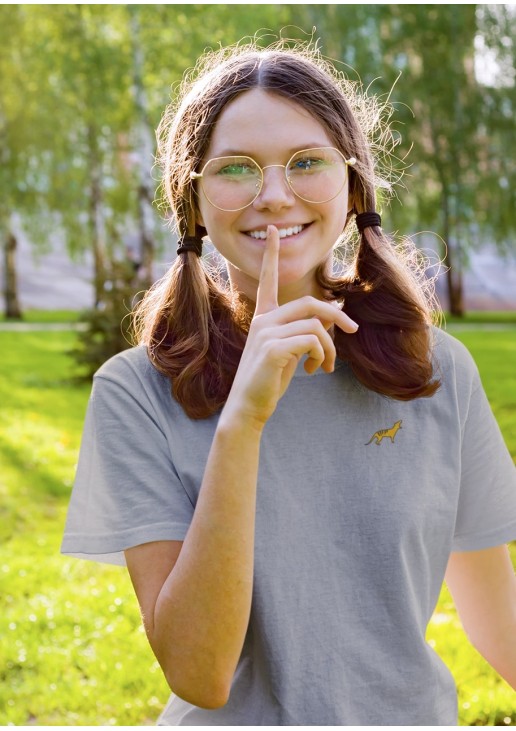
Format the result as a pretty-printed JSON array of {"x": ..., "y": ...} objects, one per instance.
[{"x": 360, "y": 500}]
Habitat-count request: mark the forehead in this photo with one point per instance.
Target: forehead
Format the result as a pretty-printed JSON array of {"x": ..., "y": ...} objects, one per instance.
[{"x": 260, "y": 123}]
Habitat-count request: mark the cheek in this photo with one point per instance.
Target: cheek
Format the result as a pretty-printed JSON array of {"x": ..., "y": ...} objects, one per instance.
[
  {"x": 211, "y": 218},
  {"x": 340, "y": 213},
  {"x": 335, "y": 215}
]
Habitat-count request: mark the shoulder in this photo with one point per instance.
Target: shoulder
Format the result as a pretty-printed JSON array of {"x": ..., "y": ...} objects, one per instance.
[
  {"x": 452, "y": 361},
  {"x": 132, "y": 364},
  {"x": 131, "y": 372}
]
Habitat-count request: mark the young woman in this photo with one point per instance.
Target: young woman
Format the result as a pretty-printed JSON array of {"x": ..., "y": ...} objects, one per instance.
[{"x": 291, "y": 464}]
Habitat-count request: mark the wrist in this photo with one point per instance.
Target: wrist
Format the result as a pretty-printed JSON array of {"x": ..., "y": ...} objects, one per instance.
[{"x": 239, "y": 422}]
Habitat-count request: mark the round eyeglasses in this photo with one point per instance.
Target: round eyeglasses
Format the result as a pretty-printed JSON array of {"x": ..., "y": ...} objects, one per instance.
[{"x": 232, "y": 183}]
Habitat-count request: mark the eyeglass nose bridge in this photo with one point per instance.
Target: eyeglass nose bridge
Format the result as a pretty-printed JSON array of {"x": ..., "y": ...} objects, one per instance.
[{"x": 262, "y": 182}]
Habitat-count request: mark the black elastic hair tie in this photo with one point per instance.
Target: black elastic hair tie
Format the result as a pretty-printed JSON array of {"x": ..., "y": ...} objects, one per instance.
[
  {"x": 369, "y": 218},
  {"x": 190, "y": 243}
]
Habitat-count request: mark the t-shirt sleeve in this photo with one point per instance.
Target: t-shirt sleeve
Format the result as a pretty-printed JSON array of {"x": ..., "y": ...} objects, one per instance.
[
  {"x": 126, "y": 490},
  {"x": 486, "y": 515}
]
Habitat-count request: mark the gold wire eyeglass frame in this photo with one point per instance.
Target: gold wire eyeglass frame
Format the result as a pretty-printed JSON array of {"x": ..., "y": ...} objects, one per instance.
[{"x": 198, "y": 176}]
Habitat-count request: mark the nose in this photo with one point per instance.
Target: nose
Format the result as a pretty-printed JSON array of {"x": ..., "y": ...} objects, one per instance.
[{"x": 275, "y": 193}]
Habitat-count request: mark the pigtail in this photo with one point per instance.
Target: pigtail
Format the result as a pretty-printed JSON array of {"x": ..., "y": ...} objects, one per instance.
[
  {"x": 391, "y": 351},
  {"x": 188, "y": 324}
]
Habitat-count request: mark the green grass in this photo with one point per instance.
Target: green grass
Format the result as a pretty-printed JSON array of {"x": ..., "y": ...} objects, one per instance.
[
  {"x": 72, "y": 650},
  {"x": 44, "y": 316},
  {"x": 495, "y": 355},
  {"x": 483, "y": 317}
]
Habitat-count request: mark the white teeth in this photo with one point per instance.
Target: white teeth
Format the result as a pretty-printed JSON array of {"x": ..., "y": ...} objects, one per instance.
[{"x": 283, "y": 232}]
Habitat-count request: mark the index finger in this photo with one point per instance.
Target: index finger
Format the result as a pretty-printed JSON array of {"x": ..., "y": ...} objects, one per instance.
[{"x": 267, "y": 294}]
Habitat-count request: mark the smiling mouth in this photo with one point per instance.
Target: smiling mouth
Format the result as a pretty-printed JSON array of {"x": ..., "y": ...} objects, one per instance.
[{"x": 284, "y": 233}]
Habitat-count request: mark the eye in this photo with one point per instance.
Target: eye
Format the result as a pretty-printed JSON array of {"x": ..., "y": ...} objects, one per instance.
[
  {"x": 236, "y": 169},
  {"x": 308, "y": 164}
]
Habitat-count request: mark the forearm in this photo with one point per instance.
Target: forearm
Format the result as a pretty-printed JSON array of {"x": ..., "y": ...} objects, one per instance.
[
  {"x": 500, "y": 652},
  {"x": 202, "y": 612},
  {"x": 483, "y": 586}
]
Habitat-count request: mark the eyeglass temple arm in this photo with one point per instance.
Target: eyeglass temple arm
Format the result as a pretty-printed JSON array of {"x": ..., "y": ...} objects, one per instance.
[{"x": 195, "y": 176}]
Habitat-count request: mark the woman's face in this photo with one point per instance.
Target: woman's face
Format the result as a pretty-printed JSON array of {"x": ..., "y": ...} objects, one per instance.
[{"x": 270, "y": 128}]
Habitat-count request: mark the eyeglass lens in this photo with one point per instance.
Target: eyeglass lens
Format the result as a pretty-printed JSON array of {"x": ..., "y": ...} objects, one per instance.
[{"x": 316, "y": 176}]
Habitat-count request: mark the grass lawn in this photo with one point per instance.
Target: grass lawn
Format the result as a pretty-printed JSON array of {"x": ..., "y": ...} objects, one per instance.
[
  {"x": 483, "y": 317},
  {"x": 73, "y": 651},
  {"x": 44, "y": 316}
]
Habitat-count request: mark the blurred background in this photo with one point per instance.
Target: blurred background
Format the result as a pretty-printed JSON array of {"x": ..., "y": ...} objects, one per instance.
[{"x": 83, "y": 88}]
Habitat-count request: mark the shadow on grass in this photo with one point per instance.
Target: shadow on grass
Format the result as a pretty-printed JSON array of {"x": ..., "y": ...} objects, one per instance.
[{"x": 38, "y": 490}]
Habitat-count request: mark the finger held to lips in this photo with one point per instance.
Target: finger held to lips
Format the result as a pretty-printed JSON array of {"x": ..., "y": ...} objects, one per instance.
[{"x": 267, "y": 295}]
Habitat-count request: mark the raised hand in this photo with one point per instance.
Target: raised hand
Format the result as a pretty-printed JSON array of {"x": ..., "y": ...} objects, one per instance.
[{"x": 277, "y": 339}]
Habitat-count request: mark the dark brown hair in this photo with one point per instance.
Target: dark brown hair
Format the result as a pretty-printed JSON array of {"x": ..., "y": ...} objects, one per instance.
[{"x": 195, "y": 328}]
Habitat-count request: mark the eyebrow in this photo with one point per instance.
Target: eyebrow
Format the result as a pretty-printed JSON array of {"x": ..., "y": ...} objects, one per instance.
[{"x": 230, "y": 152}]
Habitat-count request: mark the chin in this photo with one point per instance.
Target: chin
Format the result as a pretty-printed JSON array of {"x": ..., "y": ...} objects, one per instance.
[
  {"x": 295, "y": 270},
  {"x": 292, "y": 276}
]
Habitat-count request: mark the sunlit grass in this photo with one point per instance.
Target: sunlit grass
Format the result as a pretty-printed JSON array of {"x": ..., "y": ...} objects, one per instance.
[
  {"x": 483, "y": 317},
  {"x": 495, "y": 355},
  {"x": 484, "y": 699},
  {"x": 75, "y": 651},
  {"x": 72, "y": 650},
  {"x": 38, "y": 316}
]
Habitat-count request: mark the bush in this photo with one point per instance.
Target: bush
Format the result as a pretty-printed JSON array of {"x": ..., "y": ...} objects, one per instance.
[{"x": 106, "y": 329}]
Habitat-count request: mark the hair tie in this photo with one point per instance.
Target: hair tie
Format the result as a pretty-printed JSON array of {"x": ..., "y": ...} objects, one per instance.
[
  {"x": 369, "y": 218},
  {"x": 190, "y": 243}
]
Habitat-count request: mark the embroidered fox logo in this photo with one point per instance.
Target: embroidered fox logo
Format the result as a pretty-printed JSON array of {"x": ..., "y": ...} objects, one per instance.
[{"x": 381, "y": 433}]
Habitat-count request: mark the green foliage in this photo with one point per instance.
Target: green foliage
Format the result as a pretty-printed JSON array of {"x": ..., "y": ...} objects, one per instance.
[
  {"x": 73, "y": 651},
  {"x": 18, "y": 141},
  {"x": 497, "y": 202},
  {"x": 107, "y": 328},
  {"x": 75, "y": 68},
  {"x": 71, "y": 128}
]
